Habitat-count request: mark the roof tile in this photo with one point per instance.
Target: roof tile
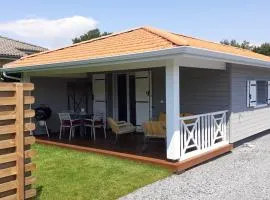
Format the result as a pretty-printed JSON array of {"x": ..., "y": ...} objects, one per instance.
[
  {"x": 17, "y": 49},
  {"x": 132, "y": 41}
]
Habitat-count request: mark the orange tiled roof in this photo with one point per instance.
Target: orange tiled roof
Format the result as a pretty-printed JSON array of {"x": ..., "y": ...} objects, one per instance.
[{"x": 132, "y": 41}]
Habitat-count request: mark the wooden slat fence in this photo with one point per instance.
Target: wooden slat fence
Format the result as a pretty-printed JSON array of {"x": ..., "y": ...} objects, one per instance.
[{"x": 15, "y": 141}]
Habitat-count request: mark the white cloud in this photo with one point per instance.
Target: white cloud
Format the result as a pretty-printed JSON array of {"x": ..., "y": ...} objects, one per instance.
[{"x": 50, "y": 33}]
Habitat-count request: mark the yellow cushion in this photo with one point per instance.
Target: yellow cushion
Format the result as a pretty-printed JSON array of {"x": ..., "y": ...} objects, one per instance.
[
  {"x": 162, "y": 117},
  {"x": 155, "y": 129},
  {"x": 187, "y": 114}
]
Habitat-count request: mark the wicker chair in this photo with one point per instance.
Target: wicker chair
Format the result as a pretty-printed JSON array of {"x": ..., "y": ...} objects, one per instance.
[
  {"x": 157, "y": 129},
  {"x": 120, "y": 127}
]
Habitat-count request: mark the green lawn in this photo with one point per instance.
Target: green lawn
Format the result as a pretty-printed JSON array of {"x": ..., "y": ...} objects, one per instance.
[{"x": 67, "y": 174}]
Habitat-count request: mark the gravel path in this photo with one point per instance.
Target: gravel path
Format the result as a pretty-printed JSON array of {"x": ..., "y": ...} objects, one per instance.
[{"x": 243, "y": 174}]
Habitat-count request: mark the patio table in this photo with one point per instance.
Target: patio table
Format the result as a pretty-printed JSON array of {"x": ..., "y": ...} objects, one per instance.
[{"x": 81, "y": 117}]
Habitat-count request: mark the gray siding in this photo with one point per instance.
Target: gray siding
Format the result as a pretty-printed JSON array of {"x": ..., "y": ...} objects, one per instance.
[
  {"x": 203, "y": 90},
  {"x": 158, "y": 91},
  {"x": 246, "y": 121},
  {"x": 53, "y": 92}
]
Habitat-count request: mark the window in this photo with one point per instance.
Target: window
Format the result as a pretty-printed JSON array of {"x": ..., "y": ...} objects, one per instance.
[
  {"x": 262, "y": 92},
  {"x": 258, "y": 93}
]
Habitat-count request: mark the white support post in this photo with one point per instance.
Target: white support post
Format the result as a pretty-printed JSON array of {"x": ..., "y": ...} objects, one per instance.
[{"x": 172, "y": 111}]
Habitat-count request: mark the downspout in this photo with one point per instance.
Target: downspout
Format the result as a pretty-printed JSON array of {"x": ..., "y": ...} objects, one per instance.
[{"x": 11, "y": 77}]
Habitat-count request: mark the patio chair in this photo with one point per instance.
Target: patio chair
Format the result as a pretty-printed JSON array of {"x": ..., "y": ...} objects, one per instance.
[
  {"x": 120, "y": 127},
  {"x": 157, "y": 129},
  {"x": 42, "y": 124},
  {"x": 67, "y": 122},
  {"x": 97, "y": 121}
]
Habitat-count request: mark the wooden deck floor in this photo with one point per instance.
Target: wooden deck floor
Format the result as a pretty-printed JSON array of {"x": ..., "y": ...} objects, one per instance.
[
  {"x": 129, "y": 143},
  {"x": 130, "y": 147}
]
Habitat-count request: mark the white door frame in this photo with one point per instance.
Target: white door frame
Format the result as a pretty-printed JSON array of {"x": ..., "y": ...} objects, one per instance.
[
  {"x": 150, "y": 94},
  {"x": 115, "y": 93},
  {"x": 115, "y": 96},
  {"x": 99, "y": 77},
  {"x": 128, "y": 106}
]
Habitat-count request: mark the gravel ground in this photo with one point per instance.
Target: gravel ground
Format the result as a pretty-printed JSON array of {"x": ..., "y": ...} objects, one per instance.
[{"x": 243, "y": 174}]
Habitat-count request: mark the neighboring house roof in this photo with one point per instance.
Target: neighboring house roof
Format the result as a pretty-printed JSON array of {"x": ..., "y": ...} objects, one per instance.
[
  {"x": 10, "y": 48},
  {"x": 139, "y": 40}
]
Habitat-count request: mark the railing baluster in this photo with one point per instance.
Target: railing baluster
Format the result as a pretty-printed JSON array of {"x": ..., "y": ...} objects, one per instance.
[
  {"x": 207, "y": 137},
  {"x": 203, "y": 133},
  {"x": 206, "y": 129},
  {"x": 182, "y": 137},
  {"x": 199, "y": 133},
  {"x": 185, "y": 136},
  {"x": 213, "y": 129},
  {"x": 224, "y": 127},
  {"x": 210, "y": 130},
  {"x": 206, "y": 132}
]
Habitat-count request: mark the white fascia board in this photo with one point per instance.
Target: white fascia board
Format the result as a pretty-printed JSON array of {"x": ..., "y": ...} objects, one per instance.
[
  {"x": 138, "y": 57},
  {"x": 146, "y": 56},
  {"x": 225, "y": 57}
]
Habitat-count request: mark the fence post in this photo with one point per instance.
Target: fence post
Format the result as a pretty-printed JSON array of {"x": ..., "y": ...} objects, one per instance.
[{"x": 19, "y": 137}]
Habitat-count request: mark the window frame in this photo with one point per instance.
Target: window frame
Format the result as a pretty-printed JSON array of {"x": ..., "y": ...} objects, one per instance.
[
  {"x": 260, "y": 102},
  {"x": 255, "y": 95}
]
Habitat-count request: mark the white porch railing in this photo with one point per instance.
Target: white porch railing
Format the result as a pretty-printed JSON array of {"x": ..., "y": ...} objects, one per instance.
[{"x": 199, "y": 133}]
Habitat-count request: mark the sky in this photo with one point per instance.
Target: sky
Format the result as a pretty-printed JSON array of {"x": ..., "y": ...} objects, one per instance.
[{"x": 53, "y": 23}]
